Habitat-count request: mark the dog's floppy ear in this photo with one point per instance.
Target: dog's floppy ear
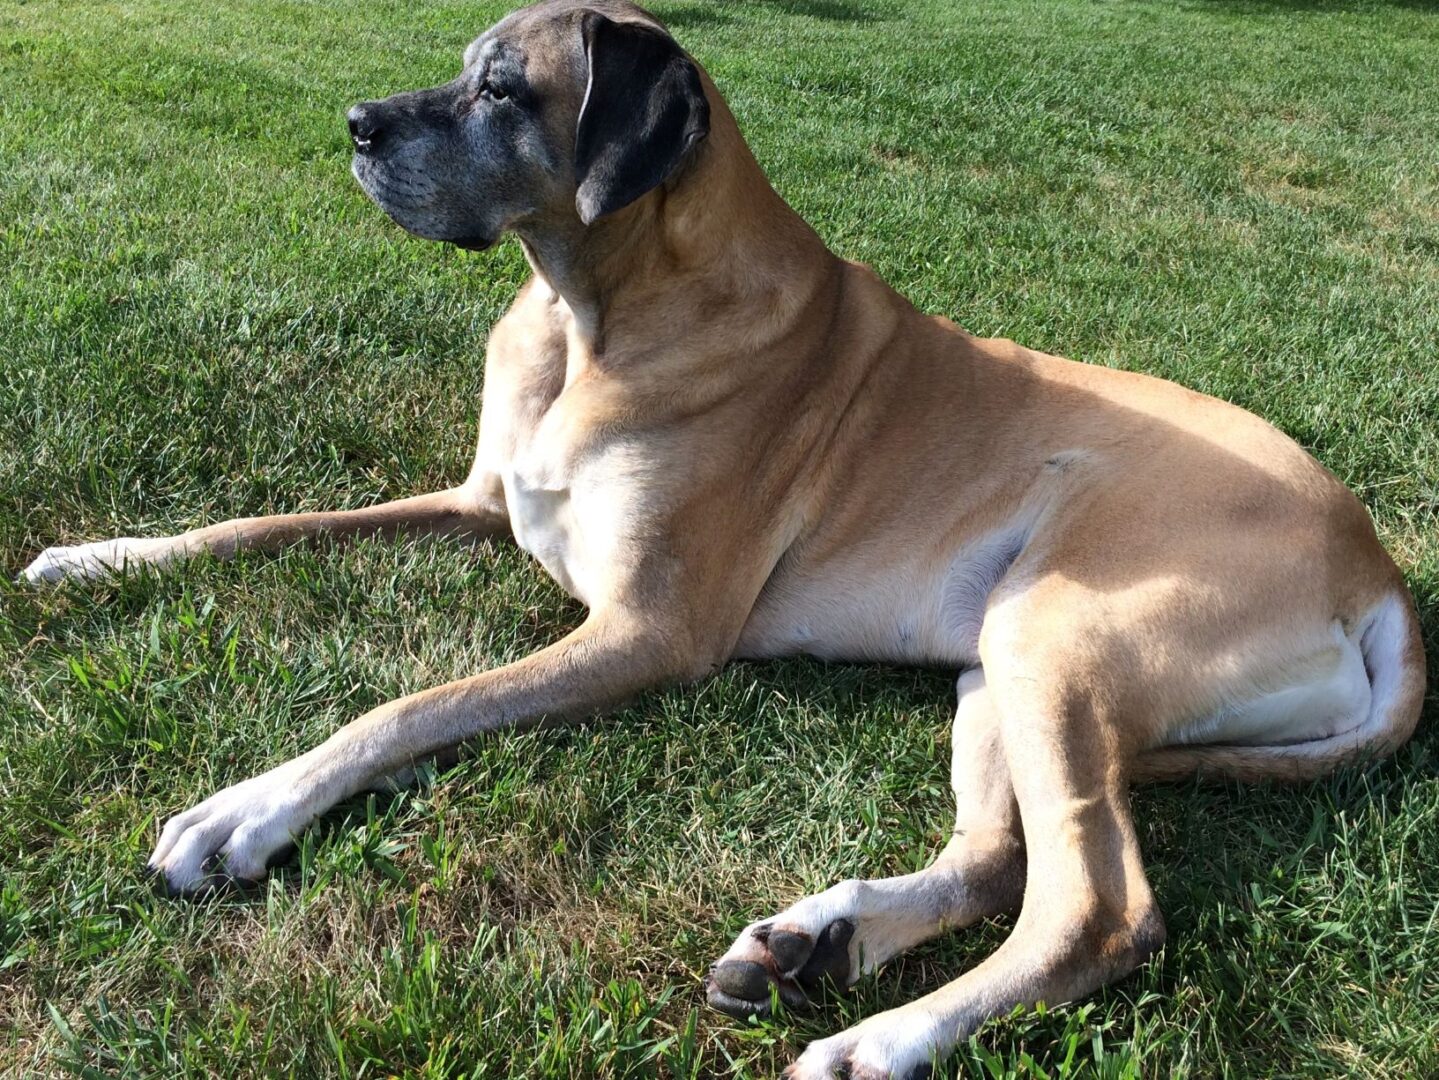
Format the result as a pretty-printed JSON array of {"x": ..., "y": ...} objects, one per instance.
[{"x": 644, "y": 110}]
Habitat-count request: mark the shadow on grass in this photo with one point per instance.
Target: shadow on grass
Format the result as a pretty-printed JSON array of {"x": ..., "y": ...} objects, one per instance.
[
  {"x": 1235, "y": 869},
  {"x": 831, "y": 10},
  {"x": 1241, "y": 874},
  {"x": 689, "y": 18},
  {"x": 1308, "y": 7},
  {"x": 835, "y": 11}
]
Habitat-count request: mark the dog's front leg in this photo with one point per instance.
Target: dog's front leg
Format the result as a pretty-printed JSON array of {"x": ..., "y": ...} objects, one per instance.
[
  {"x": 470, "y": 510},
  {"x": 233, "y": 834}
]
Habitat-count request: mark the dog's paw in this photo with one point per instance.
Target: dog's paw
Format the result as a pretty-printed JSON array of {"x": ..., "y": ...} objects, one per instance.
[
  {"x": 231, "y": 836},
  {"x": 796, "y": 961},
  {"x": 85, "y": 562},
  {"x": 897, "y": 1045}
]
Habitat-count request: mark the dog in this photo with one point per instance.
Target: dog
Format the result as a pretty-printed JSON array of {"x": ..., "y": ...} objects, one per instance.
[{"x": 725, "y": 441}]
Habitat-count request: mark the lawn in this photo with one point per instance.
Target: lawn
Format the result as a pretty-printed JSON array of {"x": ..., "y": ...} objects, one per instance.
[{"x": 202, "y": 317}]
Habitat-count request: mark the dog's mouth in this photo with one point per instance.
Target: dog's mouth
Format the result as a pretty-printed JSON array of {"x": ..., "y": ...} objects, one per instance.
[
  {"x": 478, "y": 242},
  {"x": 408, "y": 204}
]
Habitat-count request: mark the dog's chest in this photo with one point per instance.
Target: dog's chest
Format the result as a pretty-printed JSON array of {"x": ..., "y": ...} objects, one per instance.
[
  {"x": 572, "y": 522},
  {"x": 543, "y": 521}
]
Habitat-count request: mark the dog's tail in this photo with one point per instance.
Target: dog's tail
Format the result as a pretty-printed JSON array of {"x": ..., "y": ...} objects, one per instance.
[{"x": 1393, "y": 655}]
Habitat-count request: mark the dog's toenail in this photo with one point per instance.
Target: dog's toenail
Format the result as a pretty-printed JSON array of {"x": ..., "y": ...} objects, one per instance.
[{"x": 742, "y": 979}]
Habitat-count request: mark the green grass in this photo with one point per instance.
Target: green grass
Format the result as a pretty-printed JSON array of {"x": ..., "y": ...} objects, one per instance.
[{"x": 201, "y": 316}]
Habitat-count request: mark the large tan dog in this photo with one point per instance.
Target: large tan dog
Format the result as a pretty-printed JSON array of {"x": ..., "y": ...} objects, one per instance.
[{"x": 728, "y": 442}]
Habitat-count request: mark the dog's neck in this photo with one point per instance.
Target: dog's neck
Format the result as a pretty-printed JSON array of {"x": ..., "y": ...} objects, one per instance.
[{"x": 717, "y": 229}]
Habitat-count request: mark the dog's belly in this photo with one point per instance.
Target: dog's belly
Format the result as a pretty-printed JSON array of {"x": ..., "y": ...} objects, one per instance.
[
  {"x": 909, "y": 612},
  {"x": 855, "y": 624},
  {"x": 916, "y": 611}
]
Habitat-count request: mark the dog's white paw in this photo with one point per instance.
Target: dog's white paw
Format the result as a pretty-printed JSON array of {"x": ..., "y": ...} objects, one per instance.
[
  {"x": 792, "y": 954},
  {"x": 820, "y": 940},
  {"x": 896, "y": 1045},
  {"x": 85, "y": 562},
  {"x": 232, "y": 835}
]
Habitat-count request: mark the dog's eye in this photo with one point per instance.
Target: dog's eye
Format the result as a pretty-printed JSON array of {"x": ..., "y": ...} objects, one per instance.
[{"x": 492, "y": 92}]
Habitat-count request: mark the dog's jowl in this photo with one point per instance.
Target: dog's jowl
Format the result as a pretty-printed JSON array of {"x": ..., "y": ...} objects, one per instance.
[{"x": 728, "y": 442}]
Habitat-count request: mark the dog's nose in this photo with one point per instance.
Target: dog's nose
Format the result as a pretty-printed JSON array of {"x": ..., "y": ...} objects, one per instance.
[{"x": 365, "y": 127}]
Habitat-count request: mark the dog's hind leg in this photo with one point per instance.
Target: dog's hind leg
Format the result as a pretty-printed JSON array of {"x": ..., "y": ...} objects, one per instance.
[
  {"x": 1088, "y": 915},
  {"x": 467, "y": 511},
  {"x": 855, "y": 926}
]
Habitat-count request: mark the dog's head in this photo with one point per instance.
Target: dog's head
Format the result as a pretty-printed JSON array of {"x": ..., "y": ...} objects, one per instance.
[{"x": 565, "y": 112}]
